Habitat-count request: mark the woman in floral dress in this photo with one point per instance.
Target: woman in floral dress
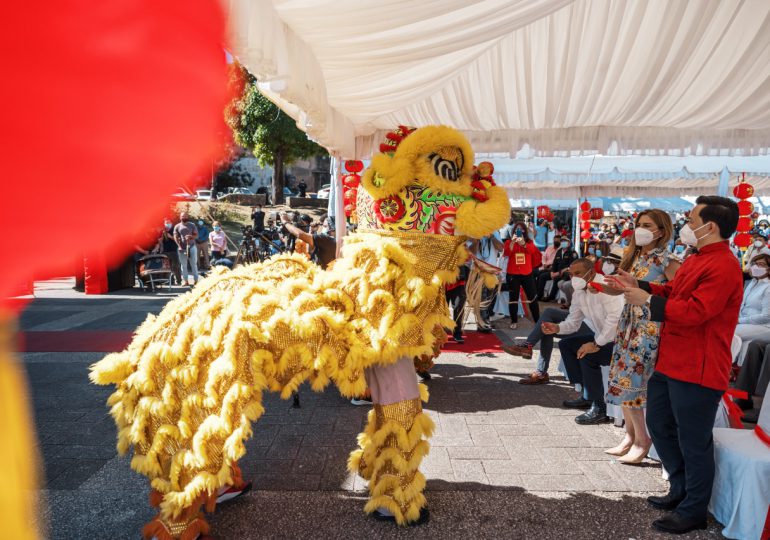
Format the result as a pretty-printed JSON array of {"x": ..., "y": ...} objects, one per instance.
[{"x": 636, "y": 343}]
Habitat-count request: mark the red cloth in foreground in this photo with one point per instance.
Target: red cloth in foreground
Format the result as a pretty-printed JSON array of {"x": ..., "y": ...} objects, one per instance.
[
  {"x": 108, "y": 107},
  {"x": 475, "y": 342}
]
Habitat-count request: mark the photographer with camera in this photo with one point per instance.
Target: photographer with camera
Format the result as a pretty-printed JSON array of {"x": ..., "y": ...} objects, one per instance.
[{"x": 322, "y": 246}]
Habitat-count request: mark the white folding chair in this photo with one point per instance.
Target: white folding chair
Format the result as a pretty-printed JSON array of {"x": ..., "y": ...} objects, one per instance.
[
  {"x": 741, "y": 496},
  {"x": 722, "y": 419}
]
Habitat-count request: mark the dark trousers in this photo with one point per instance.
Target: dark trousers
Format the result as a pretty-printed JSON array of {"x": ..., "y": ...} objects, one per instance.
[
  {"x": 456, "y": 300},
  {"x": 516, "y": 282},
  {"x": 586, "y": 371},
  {"x": 488, "y": 295},
  {"x": 680, "y": 419},
  {"x": 542, "y": 278},
  {"x": 754, "y": 375},
  {"x": 552, "y": 315},
  {"x": 555, "y": 288},
  {"x": 176, "y": 267}
]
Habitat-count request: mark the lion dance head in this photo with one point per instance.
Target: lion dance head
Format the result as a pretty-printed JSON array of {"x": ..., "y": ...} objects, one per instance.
[{"x": 424, "y": 181}]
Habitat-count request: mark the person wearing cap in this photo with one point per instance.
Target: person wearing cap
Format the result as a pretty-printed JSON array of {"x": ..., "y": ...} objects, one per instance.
[
  {"x": 758, "y": 245},
  {"x": 636, "y": 343},
  {"x": 609, "y": 263}
]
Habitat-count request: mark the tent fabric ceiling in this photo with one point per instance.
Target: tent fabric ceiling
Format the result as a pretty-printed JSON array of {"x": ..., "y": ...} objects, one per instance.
[{"x": 660, "y": 76}]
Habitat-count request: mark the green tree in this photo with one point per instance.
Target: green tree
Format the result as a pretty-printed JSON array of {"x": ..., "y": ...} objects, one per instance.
[{"x": 266, "y": 130}]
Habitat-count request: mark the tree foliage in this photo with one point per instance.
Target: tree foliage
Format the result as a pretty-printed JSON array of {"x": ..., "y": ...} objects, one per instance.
[{"x": 266, "y": 130}]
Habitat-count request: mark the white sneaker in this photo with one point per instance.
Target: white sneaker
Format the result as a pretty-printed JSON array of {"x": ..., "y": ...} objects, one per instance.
[{"x": 361, "y": 401}]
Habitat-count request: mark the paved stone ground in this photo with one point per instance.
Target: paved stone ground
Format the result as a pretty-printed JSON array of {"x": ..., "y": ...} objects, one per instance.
[{"x": 506, "y": 459}]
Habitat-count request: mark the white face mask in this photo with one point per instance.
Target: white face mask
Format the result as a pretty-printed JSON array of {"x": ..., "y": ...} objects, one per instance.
[
  {"x": 643, "y": 237},
  {"x": 757, "y": 271},
  {"x": 687, "y": 234},
  {"x": 758, "y": 244},
  {"x": 578, "y": 283},
  {"x": 608, "y": 268}
]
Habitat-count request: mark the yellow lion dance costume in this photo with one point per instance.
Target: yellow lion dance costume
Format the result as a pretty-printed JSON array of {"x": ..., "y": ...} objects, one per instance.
[{"x": 189, "y": 386}]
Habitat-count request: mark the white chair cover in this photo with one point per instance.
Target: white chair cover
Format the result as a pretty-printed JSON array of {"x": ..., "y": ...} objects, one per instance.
[
  {"x": 741, "y": 495},
  {"x": 722, "y": 419}
]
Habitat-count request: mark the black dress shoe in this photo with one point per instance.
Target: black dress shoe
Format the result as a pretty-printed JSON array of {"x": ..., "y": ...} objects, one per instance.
[
  {"x": 673, "y": 523},
  {"x": 424, "y": 517},
  {"x": 578, "y": 403},
  {"x": 666, "y": 502},
  {"x": 595, "y": 415}
]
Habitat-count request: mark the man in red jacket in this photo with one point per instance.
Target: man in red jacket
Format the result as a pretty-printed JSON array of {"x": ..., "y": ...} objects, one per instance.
[{"x": 699, "y": 311}]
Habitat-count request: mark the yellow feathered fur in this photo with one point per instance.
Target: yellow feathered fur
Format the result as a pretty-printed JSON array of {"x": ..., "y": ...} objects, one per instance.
[{"x": 190, "y": 385}]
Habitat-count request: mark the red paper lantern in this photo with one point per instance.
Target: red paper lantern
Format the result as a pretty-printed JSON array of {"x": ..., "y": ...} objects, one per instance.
[
  {"x": 742, "y": 240},
  {"x": 586, "y": 226},
  {"x": 597, "y": 213},
  {"x": 585, "y": 206},
  {"x": 543, "y": 211},
  {"x": 351, "y": 180},
  {"x": 585, "y": 235},
  {"x": 585, "y": 216},
  {"x": 745, "y": 208},
  {"x": 743, "y": 190},
  {"x": 744, "y": 224},
  {"x": 354, "y": 166}
]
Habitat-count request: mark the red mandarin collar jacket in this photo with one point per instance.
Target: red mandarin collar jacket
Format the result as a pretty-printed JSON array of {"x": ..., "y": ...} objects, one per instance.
[{"x": 699, "y": 311}]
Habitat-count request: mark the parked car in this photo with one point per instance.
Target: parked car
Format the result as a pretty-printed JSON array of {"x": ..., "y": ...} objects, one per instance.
[
  {"x": 242, "y": 191},
  {"x": 324, "y": 192},
  {"x": 203, "y": 195},
  {"x": 183, "y": 195},
  {"x": 287, "y": 192}
]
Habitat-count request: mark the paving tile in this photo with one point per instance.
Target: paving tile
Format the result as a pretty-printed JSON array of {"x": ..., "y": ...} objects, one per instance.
[
  {"x": 502, "y": 466},
  {"x": 527, "y": 429},
  {"x": 470, "y": 471},
  {"x": 477, "y": 452},
  {"x": 285, "y": 447},
  {"x": 550, "y": 482},
  {"x": 76, "y": 474},
  {"x": 484, "y": 435},
  {"x": 553, "y": 441}
]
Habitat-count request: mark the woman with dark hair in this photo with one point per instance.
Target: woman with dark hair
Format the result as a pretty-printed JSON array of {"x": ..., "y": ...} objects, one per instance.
[
  {"x": 636, "y": 345},
  {"x": 523, "y": 259}
]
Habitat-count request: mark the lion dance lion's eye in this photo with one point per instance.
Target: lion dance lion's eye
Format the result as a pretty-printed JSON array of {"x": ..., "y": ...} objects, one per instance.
[{"x": 444, "y": 168}]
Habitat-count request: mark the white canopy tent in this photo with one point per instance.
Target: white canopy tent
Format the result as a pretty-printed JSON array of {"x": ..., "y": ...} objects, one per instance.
[
  {"x": 628, "y": 176},
  {"x": 564, "y": 76}
]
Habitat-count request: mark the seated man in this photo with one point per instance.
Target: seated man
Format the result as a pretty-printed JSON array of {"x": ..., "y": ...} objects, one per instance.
[
  {"x": 543, "y": 274},
  {"x": 547, "y": 320},
  {"x": 585, "y": 354},
  {"x": 560, "y": 267},
  {"x": 754, "y": 376}
]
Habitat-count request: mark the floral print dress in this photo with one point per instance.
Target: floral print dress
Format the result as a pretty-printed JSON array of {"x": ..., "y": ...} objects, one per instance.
[{"x": 636, "y": 342}]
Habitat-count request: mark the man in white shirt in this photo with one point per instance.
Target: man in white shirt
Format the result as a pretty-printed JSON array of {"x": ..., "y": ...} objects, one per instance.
[{"x": 585, "y": 354}]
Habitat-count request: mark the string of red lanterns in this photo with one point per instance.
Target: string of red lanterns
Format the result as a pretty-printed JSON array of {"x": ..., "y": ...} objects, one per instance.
[
  {"x": 585, "y": 221},
  {"x": 742, "y": 192},
  {"x": 350, "y": 183}
]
